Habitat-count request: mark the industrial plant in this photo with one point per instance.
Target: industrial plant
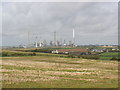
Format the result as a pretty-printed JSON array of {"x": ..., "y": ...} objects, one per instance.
[{"x": 53, "y": 43}]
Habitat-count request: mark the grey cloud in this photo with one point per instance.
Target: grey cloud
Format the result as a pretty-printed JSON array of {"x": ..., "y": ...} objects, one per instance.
[{"x": 42, "y": 19}]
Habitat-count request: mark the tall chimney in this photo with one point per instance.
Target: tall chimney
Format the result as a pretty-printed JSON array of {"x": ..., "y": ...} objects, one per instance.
[{"x": 73, "y": 36}]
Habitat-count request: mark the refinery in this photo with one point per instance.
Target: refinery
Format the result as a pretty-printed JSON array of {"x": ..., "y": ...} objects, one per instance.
[{"x": 53, "y": 43}]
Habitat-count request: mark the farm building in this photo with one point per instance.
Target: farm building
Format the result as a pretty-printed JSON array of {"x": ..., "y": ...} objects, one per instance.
[{"x": 66, "y": 51}]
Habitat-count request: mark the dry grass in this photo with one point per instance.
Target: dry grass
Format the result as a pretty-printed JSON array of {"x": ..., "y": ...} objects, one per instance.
[{"x": 79, "y": 72}]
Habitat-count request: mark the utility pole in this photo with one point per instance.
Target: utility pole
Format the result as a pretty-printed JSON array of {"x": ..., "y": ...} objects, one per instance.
[
  {"x": 36, "y": 44},
  {"x": 61, "y": 42},
  {"x": 55, "y": 38},
  {"x": 28, "y": 39},
  {"x": 73, "y": 37}
]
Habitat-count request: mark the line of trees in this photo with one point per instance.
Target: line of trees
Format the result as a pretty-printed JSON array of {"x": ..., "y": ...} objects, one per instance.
[{"x": 17, "y": 54}]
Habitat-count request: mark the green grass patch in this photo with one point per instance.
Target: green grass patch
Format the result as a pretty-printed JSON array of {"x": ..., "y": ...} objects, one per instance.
[
  {"x": 109, "y": 55},
  {"x": 64, "y": 83},
  {"x": 10, "y": 67}
]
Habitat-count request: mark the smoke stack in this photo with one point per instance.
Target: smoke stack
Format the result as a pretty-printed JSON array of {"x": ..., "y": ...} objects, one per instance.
[{"x": 73, "y": 36}]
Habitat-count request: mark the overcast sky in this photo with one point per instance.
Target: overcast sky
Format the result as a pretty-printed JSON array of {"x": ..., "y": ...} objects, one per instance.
[{"x": 94, "y": 23}]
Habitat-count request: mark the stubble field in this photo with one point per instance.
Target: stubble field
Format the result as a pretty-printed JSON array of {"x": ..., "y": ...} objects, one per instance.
[{"x": 58, "y": 72}]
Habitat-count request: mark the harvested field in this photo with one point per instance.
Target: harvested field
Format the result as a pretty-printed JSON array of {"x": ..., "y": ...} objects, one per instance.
[{"x": 57, "y": 72}]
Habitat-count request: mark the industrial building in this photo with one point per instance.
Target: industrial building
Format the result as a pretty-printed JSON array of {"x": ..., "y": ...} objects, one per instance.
[{"x": 51, "y": 43}]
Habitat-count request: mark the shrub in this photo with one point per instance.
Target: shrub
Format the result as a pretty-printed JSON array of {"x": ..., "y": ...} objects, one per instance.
[
  {"x": 79, "y": 56},
  {"x": 18, "y": 54},
  {"x": 90, "y": 56},
  {"x": 4, "y": 54},
  {"x": 41, "y": 50},
  {"x": 71, "y": 56},
  {"x": 34, "y": 54},
  {"x": 114, "y": 58}
]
